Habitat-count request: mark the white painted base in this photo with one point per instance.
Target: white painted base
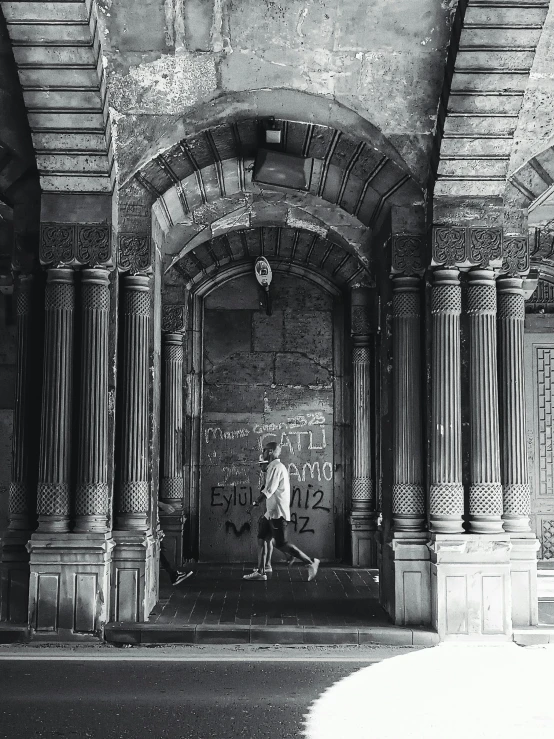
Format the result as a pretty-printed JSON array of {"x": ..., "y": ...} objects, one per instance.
[
  {"x": 134, "y": 583},
  {"x": 523, "y": 571},
  {"x": 471, "y": 587},
  {"x": 69, "y": 584},
  {"x": 407, "y": 587}
]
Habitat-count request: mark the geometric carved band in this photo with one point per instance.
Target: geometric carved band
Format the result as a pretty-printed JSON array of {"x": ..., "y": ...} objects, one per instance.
[
  {"x": 53, "y": 499},
  {"x": 446, "y": 499},
  {"x": 481, "y": 299},
  {"x": 517, "y": 499},
  {"x": 24, "y": 299},
  {"x": 173, "y": 352},
  {"x": 446, "y": 299},
  {"x": 92, "y": 499},
  {"x": 485, "y": 498},
  {"x": 362, "y": 488},
  {"x": 18, "y": 500},
  {"x": 59, "y": 296},
  {"x": 360, "y": 354},
  {"x": 406, "y": 304},
  {"x": 511, "y": 306},
  {"x": 133, "y": 497},
  {"x": 136, "y": 303},
  {"x": 408, "y": 499},
  {"x": 171, "y": 488},
  {"x": 96, "y": 297}
]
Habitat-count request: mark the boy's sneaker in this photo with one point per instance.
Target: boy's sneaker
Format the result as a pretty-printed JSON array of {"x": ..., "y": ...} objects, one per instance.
[
  {"x": 268, "y": 569},
  {"x": 254, "y": 576},
  {"x": 312, "y": 569},
  {"x": 182, "y": 576}
]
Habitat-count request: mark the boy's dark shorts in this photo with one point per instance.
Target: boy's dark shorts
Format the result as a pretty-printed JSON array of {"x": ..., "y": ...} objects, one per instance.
[{"x": 275, "y": 528}]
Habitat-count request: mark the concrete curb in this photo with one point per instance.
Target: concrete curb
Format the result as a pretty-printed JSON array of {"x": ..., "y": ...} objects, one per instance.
[{"x": 122, "y": 633}]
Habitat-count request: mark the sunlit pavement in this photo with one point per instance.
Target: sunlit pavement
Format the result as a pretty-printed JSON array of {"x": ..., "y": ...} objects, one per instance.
[{"x": 445, "y": 692}]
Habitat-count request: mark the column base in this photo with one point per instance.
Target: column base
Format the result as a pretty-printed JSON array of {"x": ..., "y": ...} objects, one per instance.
[
  {"x": 69, "y": 585},
  {"x": 14, "y": 577},
  {"x": 172, "y": 526},
  {"x": 134, "y": 575},
  {"x": 523, "y": 572},
  {"x": 405, "y": 577},
  {"x": 470, "y": 587},
  {"x": 363, "y": 527}
]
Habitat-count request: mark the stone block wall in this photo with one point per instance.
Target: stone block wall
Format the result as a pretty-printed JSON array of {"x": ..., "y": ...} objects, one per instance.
[
  {"x": 267, "y": 378},
  {"x": 8, "y": 336}
]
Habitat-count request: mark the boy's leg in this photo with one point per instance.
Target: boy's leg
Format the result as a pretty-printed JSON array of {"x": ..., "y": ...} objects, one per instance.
[{"x": 164, "y": 562}]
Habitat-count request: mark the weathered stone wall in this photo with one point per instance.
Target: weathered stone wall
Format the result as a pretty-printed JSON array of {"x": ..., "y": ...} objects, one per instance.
[
  {"x": 267, "y": 378},
  {"x": 383, "y": 60}
]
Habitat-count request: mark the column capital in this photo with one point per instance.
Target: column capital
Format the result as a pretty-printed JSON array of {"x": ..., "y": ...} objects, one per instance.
[
  {"x": 134, "y": 253},
  {"x": 466, "y": 246},
  {"x": 76, "y": 244},
  {"x": 174, "y": 319},
  {"x": 408, "y": 254}
]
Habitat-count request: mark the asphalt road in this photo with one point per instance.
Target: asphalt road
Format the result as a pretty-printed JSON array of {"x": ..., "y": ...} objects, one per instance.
[{"x": 190, "y": 696}]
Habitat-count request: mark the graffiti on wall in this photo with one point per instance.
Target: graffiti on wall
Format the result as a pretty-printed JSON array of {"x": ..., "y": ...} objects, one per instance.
[{"x": 232, "y": 478}]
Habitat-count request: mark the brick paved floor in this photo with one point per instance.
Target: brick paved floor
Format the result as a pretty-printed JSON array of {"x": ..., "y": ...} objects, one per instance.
[{"x": 217, "y": 594}]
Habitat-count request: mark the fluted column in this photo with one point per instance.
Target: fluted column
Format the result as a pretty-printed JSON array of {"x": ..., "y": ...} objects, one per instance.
[
  {"x": 485, "y": 491},
  {"x": 515, "y": 481},
  {"x": 172, "y": 442},
  {"x": 132, "y": 499},
  {"x": 446, "y": 502},
  {"x": 21, "y": 507},
  {"x": 408, "y": 499},
  {"x": 91, "y": 505},
  {"x": 362, "y": 484},
  {"x": 53, "y": 500}
]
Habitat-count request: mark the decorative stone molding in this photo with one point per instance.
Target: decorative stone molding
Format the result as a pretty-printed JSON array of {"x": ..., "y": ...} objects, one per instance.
[
  {"x": 464, "y": 246},
  {"x": 75, "y": 244},
  {"x": 446, "y": 503},
  {"x": 542, "y": 300},
  {"x": 408, "y": 254},
  {"x": 174, "y": 318},
  {"x": 134, "y": 253},
  {"x": 516, "y": 256}
]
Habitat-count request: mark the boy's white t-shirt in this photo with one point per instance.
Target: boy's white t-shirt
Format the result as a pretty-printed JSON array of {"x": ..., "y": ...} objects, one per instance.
[{"x": 277, "y": 491}]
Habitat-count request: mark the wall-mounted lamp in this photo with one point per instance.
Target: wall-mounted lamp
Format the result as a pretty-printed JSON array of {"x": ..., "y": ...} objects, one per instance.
[{"x": 264, "y": 275}]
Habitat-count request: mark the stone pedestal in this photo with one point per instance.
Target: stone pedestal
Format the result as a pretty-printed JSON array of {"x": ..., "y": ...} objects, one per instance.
[
  {"x": 470, "y": 586},
  {"x": 134, "y": 586},
  {"x": 363, "y": 528},
  {"x": 523, "y": 572},
  {"x": 69, "y": 584},
  {"x": 407, "y": 586}
]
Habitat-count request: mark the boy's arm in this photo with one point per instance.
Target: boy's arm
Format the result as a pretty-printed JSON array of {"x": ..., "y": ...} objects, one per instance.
[{"x": 271, "y": 484}]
